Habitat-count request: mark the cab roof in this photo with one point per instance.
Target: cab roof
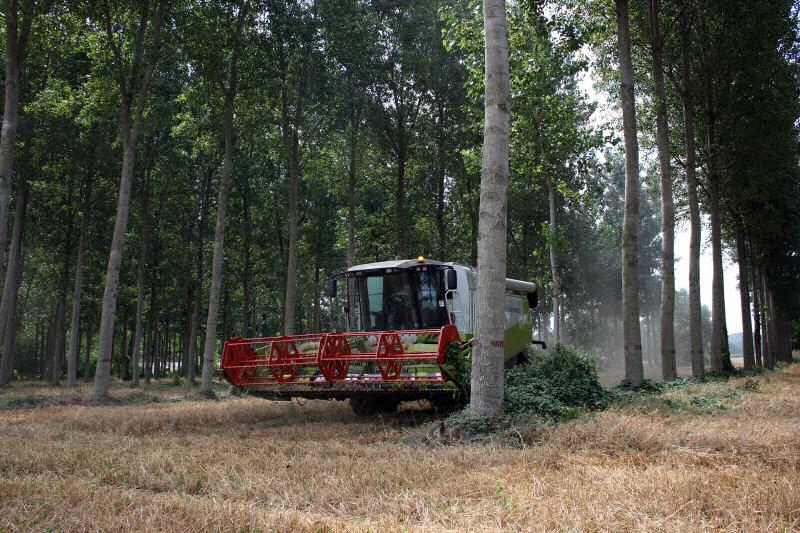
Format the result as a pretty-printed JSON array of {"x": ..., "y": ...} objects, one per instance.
[{"x": 398, "y": 264}]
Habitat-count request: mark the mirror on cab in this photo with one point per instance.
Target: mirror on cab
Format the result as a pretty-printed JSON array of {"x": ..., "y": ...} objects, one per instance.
[
  {"x": 330, "y": 288},
  {"x": 452, "y": 280}
]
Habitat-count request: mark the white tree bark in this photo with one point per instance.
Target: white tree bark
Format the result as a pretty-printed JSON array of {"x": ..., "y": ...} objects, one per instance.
[
  {"x": 669, "y": 369},
  {"x": 130, "y": 133},
  {"x": 634, "y": 370},
  {"x": 487, "y": 353},
  {"x": 292, "y": 149},
  {"x": 210, "y": 345},
  {"x": 744, "y": 299},
  {"x": 17, "y": 29},
  {"x": 718, "y": 323},
  {"x": 102, "y": 374},
  {"x": 695, "y": 308},
  {"x": 8, "y": 307}
]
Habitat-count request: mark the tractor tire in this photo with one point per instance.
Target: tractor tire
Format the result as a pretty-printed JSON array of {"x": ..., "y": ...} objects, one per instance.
[
  {"x": 444, "y": 405},
  {"x": 388, "y": 405},
  {"x": 372, "y": 405},
  {"x": 519, "y": 359}
]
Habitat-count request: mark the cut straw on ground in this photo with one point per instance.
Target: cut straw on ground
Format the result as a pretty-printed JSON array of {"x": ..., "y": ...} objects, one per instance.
[{"x": 251, "y": 465}]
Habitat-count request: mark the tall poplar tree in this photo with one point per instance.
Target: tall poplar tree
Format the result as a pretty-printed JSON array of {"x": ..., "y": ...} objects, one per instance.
[
  {"x": 133, "y": 80},
  {"x": 634, "y": 370},
  {"x": 487, "y": 353}
]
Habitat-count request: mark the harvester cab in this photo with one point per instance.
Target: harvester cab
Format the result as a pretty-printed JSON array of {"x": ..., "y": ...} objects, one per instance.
[{"x": 409, "y": 327}]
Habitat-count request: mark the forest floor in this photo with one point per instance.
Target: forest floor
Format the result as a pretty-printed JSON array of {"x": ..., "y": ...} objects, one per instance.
[{"x": 717, "y": 455}]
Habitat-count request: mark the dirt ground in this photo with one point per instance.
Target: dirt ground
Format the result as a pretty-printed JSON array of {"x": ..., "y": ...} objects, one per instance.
[{"x": 245, "y": 464}]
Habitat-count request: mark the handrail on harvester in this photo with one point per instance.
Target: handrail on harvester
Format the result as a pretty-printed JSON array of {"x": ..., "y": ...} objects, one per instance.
[{"x": 313, "y": 360}]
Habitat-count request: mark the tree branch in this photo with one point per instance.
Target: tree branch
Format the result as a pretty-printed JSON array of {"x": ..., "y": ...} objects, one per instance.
[
  {"x": 115, "y": 50},
  {"x": 162, "y": 5},
  {"x": 138, "y": 49}
]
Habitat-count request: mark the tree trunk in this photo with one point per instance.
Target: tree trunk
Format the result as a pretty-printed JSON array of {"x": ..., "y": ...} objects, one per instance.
[
  {"x": 47, "y": 359},
  {"x": 144, "y": 198},
  {"x": 226, "y": 314},
  {"x": 37, "y": 342},
  {"x": 769, "y": 360},
  {"x": 191, "y": 358},
  {"x": 74, "y": 333},
  {"x": 487, "y": 353},
  {"x": 744, "y": 296},
  {"x": 695, "y": 307},
  {"x": 315, "y": 318},
  {"x": 109, "y": 305},
  {"x": 123, "y": 346},
  {"x": 210, "y": 345},
  {"x": 772, "y": 327},
  {"x": 129, "y": 132},
  {"x": 355, "y": 122},
  {"x": 720, "y": 359},
  {"x": 187, "y": 321},
  {"x": 669, "y": 369},
  {"x": 634, "y": 370},
  {"x": 291, "y": 144},
  {"x": 149, "y": 345},
  {"x": 553, "y": 261},
  {"x": 17, "y": 32},
  {"x": 756, "y": 321},
  {"x": 440, "y": 183},
  {"x": 15, "y": 322},
  {"x": 216, "y": 264},
  {"x": 8, "y": 306},
  {"x": 87, "y": 361},
  {"x": 43, "y": 351},
  {"x": 58, "y": 341},
  {"x": 61, "y": 332},
  {"x": 718, "y": 323},
  {"x": 400, "y": 194},
  {"x": 247, "y": 326}
]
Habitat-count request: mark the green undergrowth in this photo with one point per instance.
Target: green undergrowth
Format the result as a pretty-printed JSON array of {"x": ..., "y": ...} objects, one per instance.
[
  {"x": 683, "y": 396},
  {"x": 563, "y": 385},
  {"x": 23, "y": 401},
  {"x": 551, "y": 388},
  {"x": 706, "y": 394},
  {"x": 559, "y": 385}
]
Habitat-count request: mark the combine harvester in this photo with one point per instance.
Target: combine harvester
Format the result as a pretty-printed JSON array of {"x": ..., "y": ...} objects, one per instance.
[{"x": 413, "y": 319}]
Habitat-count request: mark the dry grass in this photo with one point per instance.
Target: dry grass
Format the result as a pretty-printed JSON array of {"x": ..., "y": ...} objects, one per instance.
[{"x": 251, "y": 465}]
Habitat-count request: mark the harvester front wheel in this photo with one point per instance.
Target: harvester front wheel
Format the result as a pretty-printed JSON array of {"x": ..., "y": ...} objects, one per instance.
[{"x": 371, "y": 405}]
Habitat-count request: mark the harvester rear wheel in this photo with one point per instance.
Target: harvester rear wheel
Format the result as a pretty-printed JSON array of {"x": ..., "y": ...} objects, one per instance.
[{"x": 519, "y": 359}]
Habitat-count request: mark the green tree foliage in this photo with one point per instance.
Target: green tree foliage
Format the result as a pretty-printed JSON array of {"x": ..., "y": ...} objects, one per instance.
[{"x": 374, "y": 109}]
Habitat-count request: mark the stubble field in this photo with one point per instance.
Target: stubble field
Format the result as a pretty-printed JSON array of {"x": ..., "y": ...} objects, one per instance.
[{"x": 244, "y": 464}]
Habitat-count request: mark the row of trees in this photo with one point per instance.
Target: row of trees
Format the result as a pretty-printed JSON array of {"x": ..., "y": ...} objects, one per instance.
[
  {"x": 177, "y": 172},
  {"x": 734, "y": 64}
]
